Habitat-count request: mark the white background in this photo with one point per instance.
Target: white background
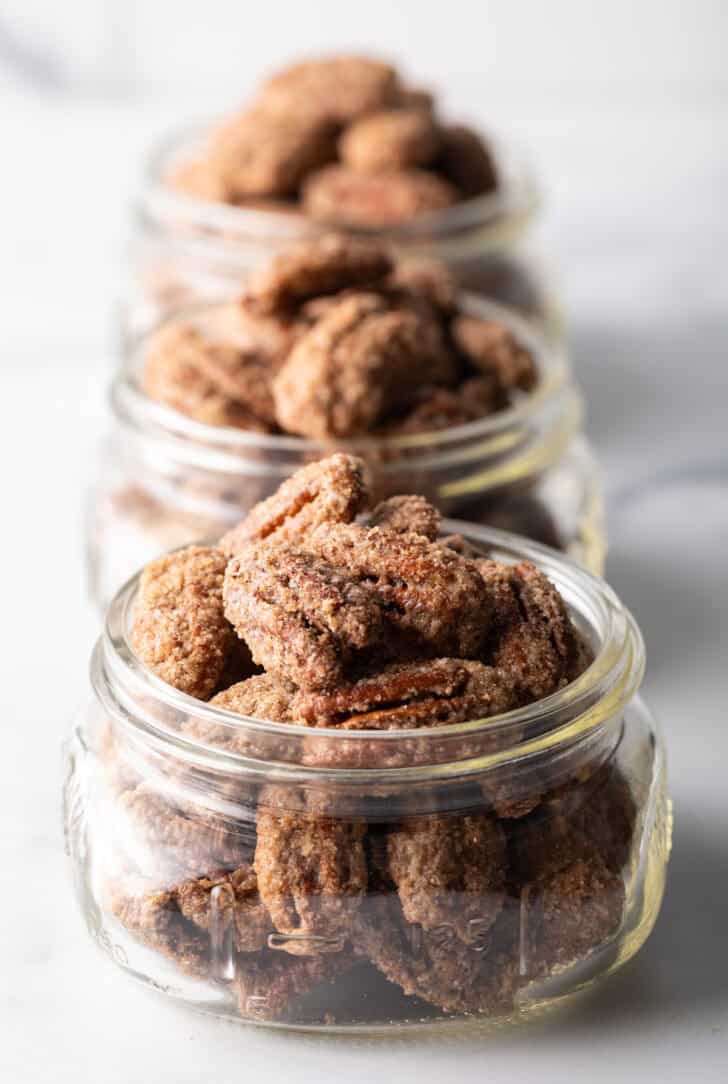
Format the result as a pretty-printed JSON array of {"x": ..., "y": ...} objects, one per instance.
[{"x": 625, "y": 105}]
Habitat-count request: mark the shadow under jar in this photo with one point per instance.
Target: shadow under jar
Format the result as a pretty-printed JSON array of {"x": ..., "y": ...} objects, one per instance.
[
  {"x": 343, "y": 879},
  {"x": 185, "y": 250},
  {"x": 165, "y": 480}
]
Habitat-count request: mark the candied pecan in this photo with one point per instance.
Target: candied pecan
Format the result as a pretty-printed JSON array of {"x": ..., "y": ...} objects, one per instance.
[
  {"x": 179, "y": 628},
  {"x": 227, "y": 899},
  {"x": 538, "y": 647},
  {"x": 358, "y": 362},
  {"x": 493, "y": 350},
  {"x": 406, "y": 514},
  {"x": 312, "y": 873},
  {"x": 442, "y": 408},
  {"x": 301, "y": 618},
  {"x": 263, "y": 696},
  {"x": 390, "y": 140},
  {"x": 410, "y": 695},
  {"x": 338, "y": 88},
  {"x": 462, "y": 545},
  {"x": 427, "y": 279},
  {"x": 195, "y": 376},
  {"x": 465, "y": 160},
  {"x": 340, "y": 195},
  {"x": 154, "y": 918},
  {"x": 434, "y": 601},
  {"x": 267, "y": 983},
  {"x": 450, "y": 871},
  {"x": 415, "y": 98},
  {"x": 257, "y": 153},
  {"x": 569, "y": 913},
  {"x": 269, "y": 336},
  {"x": 312, "y": 268},
  {"x": 329, "y": 491}
]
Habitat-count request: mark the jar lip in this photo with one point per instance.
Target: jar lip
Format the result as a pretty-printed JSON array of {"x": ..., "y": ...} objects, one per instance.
[
  {"x": 511, "y": 206},
  {"x": 138, "y": 411},
  {"x": 571, "y": 714}
]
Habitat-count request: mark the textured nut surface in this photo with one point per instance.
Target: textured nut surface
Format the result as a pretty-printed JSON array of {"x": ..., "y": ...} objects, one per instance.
[
  {"x": 301, "y": 618},
  {"x": 154, "y": 918},
  {"x": 450, "y": 871},
  {"x": 389, "y": 141},
  {"x": 443, "y": 408},
  {"x": 312, "y": 875},
  {"x": 338, "y": 88},
  {"x": 465, "y": 160},
  {"x": 407, "y": 514},
  {"x": 314, "y": 268},
  {"x": 345, "y": 197},
  {"x": 179, "y": 627},
  {"x": 329, "y": 491},
  {"x": 493, "y": 350},
  {"x": 228, "y": 897}
]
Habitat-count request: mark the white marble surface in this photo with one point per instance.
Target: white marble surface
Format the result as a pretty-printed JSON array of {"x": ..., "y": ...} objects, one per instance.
[{"x": 638, "y": 221}]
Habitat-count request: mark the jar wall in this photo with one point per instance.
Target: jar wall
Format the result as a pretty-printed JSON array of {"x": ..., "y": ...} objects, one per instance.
[
  {"x": 485, "y": 896},
  {"x": 139, "y": 508}
]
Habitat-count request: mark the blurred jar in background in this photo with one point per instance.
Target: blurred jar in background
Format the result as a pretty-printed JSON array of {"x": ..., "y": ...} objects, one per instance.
[{"x": 166, "y": 479}]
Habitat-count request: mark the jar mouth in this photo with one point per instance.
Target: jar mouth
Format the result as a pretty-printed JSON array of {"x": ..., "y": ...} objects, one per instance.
[
  {"x": 498, "y": 217},
  {"x": 537, "y": 425},
  {"x": 150, "y": 710}
]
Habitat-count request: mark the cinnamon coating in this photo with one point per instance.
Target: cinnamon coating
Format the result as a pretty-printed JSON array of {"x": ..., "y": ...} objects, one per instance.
[
  {"x": 407, "y": 514},
  {"x": 492, "y": 349},
  {"x": 342, "y": 196},
  {"x": 227, "y": 899},
  {"x": 338, "y": 88},
  {"x": 389, "y": 141},
  {"x": 179, "y": 628}
]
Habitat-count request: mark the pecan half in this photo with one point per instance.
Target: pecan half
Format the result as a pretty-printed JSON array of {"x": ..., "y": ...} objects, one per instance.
[
  {"x": 390, "y": 140},
  {"x": 154, "y": 918},
  {"x": 338, "y": 88},
  {"x": 465, "y": 160},
  {"x": 493, "y": 350},
  {"x": 329, "y": 491},
  {"x": 179, "y": 627},
  {"x": 407, "y": 514},
  {"x": 342, "y": 196}
]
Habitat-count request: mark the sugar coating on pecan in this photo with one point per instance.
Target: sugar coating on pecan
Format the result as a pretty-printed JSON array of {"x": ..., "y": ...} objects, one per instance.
[
  {"x": 436, "y": 408},
  {"x": 268, "y": 983},
  {"x": 342, "y": 196},
  {"x": 329, "y": 491},
  {"x": 338, "y": 88},
  {"x": 465, "y": 160},
  {"x": 357, "y": 363},
  {"x": 312, "y": 875},
  {"x": 179, "y": 628},
  {"x": 406, "y": 514},
  {"x": 492, "y": 349},
  {"x": 213, "y": 382},
  {"x": 406, "y": 696},
  {"x": 154, "y": 917},
  {"x": 427, "y": 279},
  {"x": 263, "y": 696},
  {"x": 450, "y": 872},
  {"x": 227, "y": 900},
  {"x": 301, "y": 618},
  {"x": 258, "y": 153},
  {"x": 390, "y": 140},
  {"x": 315, "y": 268},
  {"x": 434, "y": 601}
]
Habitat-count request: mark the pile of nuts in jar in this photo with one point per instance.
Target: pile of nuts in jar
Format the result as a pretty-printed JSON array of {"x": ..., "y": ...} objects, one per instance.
[
  {"x": 334, "y": 339},
  {"x": 344, "y": 140},
  {"x": 321, "y": 612}
]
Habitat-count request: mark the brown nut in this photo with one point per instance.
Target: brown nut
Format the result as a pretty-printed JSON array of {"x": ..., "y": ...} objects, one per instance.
[
  {"x": 434, "y": 601},
  {"x": 434, "y": 409},
  {"x": 301, "y": 618},
  {"x": 407, "y": 514},
  {"x": 428, "y": 280},
  {"x": 154, "y": 918},
  {"x": 342, "y": 196},
  {"x": 329, "y": 491},
  {"x": 450, "y": 872},
  {"x": 389, "y": 141},
  {"x": 493, "y": 350},
  {"x": 465, "y": 160},
  {"x": 227, "y": 900},
  {"x": 312, "y": 873},
  {"x": 258, "y": 153},
  {"x": 179, "y": 628},
  {"x": 358, "y": 362},
  {"x": 338, "y": 88},
  {"x": 314, "y": 268}
]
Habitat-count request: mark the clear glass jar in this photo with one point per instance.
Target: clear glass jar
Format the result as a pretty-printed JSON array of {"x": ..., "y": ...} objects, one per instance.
[
  {"x": 186, "y": 250},
  {"x": 343, "y": 879},
  {"x": 164, "y": 479}
]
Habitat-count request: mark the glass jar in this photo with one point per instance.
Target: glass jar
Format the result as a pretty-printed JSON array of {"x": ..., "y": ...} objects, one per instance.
[
  {"x": 364, "y": 879},
  {"x": 186, "y": 250},
  {"x": 165, "y": 480}
]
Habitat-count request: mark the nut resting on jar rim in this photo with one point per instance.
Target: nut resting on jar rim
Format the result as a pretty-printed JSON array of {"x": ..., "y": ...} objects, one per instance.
[
  {"x": 336, "y": 345},
  {"x": 355, "y": 767},
  {"x": 353, "y": 148}
]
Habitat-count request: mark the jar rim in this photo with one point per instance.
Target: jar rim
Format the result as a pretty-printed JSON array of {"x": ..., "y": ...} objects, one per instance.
[
  {"x": 222, "y": 448},
  {"x": 503, "y": 213},
  {"x": 143, "y": 703}
]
